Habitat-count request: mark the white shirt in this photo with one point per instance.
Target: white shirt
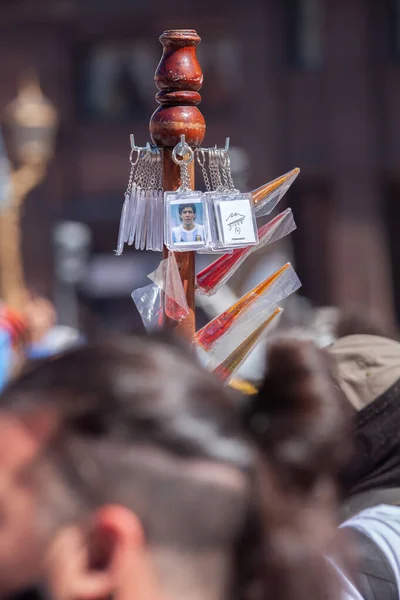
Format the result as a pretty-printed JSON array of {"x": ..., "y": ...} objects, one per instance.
[
  {"x": 179, "y": 234},
  {"x": 382, "y": 525}
]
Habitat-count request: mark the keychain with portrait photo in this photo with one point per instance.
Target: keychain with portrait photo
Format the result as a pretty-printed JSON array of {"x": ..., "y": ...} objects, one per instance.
[{"x": 186, "y": 223}]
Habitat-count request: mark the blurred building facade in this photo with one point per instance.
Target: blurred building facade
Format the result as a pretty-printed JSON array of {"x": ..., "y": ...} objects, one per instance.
[{"x": 306, "y": 83}]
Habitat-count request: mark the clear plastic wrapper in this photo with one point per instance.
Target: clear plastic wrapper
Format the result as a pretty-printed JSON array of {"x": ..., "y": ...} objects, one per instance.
[
  {"x": 266, "y": 197},
  {"x": 168, "y": 279},
  {"x": 149, "y": 303},
  {"x": 270, "y": 292},
  {"x": 212, "y": 277},
  {"x": 165, "y": 296},
  {"x": 186, "y": 221},
  {"x": 224, "y": 361}
]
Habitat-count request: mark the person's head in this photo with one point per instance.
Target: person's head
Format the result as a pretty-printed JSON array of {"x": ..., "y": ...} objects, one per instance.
[
  {"x": 368, "y": 372},
  {"x": 187, "y": 214},
  {"x": 298, "y": 421},
  {"x": 128, "y": 467},
  {"x": 307, "y": 413},
  {"x": 123, "y": 463}
]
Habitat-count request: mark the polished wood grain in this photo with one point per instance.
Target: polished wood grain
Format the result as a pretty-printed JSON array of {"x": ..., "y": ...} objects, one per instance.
[{"x": 179, "y": 79}]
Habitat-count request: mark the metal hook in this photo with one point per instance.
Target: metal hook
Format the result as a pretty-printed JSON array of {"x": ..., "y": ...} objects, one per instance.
[
  {"x": 138, "y": 148},
  {"x": 225, "y": 150}
]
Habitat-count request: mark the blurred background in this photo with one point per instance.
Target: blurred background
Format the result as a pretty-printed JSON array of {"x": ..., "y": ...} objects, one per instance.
[{"x": 306, "y": 83}]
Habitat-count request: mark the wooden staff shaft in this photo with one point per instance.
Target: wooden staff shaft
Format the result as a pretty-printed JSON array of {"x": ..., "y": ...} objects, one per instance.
[
  {"x": 178, "y": 78},
  {"x": 184, "y": 260}
]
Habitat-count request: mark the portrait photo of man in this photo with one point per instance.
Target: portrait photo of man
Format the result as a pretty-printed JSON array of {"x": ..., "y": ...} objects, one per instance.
[{"x": 189, "y": 231}]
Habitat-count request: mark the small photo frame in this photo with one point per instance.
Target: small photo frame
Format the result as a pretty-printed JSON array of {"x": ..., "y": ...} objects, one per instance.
[
  {"x": 186, "y": 221},
  {"x": 235, "y": 219}
]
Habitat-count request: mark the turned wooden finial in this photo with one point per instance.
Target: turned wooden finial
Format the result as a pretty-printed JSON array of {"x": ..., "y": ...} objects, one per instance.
[{"x": 179, "y": 79}]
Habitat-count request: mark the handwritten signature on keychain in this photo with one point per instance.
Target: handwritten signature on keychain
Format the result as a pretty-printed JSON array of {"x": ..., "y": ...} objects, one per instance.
[{"x": 235, "y": 220}]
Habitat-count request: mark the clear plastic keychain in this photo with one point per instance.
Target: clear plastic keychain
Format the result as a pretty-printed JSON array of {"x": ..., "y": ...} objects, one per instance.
[
  {"x": 231, "y": 213},
  {"x": 186, "y": 219},
  {"x": 127, "y": 207},
  {"x": 142, "y": 210},
  {"x": 235, "y": 220}
]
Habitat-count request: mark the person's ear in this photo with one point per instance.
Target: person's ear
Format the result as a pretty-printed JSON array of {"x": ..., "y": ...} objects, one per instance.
[
  {"x": 68, "y": 573},
  {"x": 110, "y": 559}
]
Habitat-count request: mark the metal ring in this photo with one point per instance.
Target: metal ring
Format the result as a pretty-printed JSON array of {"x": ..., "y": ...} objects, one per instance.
[
  {"x": 134, "y": 163},
  {"x": 214, "y": 153},
  {"x": 201, "y": 162},
  {"x": 181, "y": 150}
]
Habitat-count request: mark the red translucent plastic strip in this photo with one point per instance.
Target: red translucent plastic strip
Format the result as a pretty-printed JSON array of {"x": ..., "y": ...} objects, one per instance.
[
  {"x": 215, "y": 329},
  {"x": 219, "y": 271}
]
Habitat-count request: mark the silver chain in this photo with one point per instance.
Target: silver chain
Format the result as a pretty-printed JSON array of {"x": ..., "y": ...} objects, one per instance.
[
  {"x": 159, "y": 182},
  {"x": 185, "y": 177},
  {"x": 148, "y": 170},
  {"x": 153, "y": 167},
  {"x": 132, "y": 172},
  {"x": 202, "y": 164},
  {"x": 215, "y": 173},
  {"x": 222, "y": 165},
  {"x": 181, "y": 150},
  {"x": 140, "y": 169},
  {"x": 226, "y": 171}
]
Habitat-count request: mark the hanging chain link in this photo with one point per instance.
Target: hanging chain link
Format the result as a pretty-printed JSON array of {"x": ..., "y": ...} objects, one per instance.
[
  {"x": 227, "y": 172},
  {"x": 201, "y": 161},
  {"x": 178, "y": 156},
  {"x": 147, "y": 170},
  {"x": 215, "y": 171},
  {"x": 132, "y": 172},
  {"x": 153, "y": 168},
  {"x": 138, "y": 180},
  {"x": 185, "y": 177},
  {"x": 159, "y": 182},
  {"x": 222, "y": 164}
]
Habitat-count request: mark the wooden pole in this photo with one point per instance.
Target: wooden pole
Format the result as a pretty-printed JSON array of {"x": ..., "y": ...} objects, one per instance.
[{"x": 179, "y": 79}]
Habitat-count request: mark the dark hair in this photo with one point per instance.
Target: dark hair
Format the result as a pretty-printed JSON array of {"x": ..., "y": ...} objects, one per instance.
[
  {"x": 118, "y": 398},
  {"x": 298, "y": 423},
  {"x": 182, "y": 207}
]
